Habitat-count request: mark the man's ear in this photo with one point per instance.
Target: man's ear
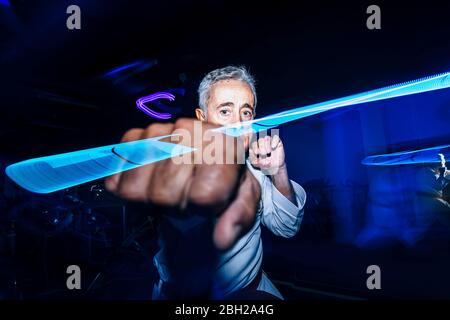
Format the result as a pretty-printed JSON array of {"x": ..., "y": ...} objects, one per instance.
[{"x": 200, "y": 114}]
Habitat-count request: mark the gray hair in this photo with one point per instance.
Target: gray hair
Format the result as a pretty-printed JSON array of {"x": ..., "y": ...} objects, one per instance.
[{"x": 227, "y": 73}]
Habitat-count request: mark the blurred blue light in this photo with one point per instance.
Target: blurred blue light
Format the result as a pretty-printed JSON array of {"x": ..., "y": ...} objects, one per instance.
[
  {"x": 428, "y": 155},
  {"x": 57, "y": 172},
  {"x": 53, "y": 173}
]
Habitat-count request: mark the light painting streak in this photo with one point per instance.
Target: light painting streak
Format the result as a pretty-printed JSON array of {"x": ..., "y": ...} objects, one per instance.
[
  {"x": 140, "y": 103},
  {"x": 122, "y": 68},
  {"x": 440, "y": 81},
  {"x": 53, "y": 173},
  {"x": 131, "y": 68},
  {"x": 48, "y": 174},
  {"x": 428, "y": 155}
]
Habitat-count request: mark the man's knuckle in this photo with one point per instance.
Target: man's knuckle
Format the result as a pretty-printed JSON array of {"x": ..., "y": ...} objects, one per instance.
[
  {"x": 160, "y": 197},
  {"x": 130, "y": 192},
  {"x": 182, "y": 123},
  {"x": 131, "y": 134},
  {"x": 156, "y": 129}
]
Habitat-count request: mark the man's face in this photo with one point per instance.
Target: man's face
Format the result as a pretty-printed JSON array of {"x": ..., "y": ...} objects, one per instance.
[{"x": 230, "y": 101}]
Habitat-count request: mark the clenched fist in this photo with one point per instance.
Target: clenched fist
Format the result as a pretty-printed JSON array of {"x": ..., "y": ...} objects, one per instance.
[
  {"x": 228, "y": 190},
  {"x": 267, "y": 154}
]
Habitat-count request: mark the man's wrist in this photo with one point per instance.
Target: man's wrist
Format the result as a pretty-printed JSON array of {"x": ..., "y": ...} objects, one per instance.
[
  {"x": 281, "y": 181},
  {"x": 279, "y": 175}
]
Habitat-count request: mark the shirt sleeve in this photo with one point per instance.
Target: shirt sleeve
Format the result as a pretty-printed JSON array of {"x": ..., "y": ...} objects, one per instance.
[{"x": 279, "y": 214}]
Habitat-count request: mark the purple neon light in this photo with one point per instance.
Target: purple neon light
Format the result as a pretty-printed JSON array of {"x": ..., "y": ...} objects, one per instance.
[{"x": 155, "y": 96}]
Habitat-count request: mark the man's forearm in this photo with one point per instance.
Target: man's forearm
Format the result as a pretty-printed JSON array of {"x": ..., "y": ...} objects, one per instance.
[{"x": 281, "y": 181}]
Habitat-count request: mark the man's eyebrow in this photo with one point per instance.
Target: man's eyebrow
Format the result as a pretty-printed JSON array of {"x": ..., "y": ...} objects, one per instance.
[
  {"x": 225, "y": 104},
  {"x": 246, "y": 105}
]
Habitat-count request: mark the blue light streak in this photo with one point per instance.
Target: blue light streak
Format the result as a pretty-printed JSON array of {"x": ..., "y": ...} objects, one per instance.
[
  {"x": 436, "y": 82},
  {"x": 428, "y": 155},
  {"x": 48, "y": 174},
  {"x": 57, "y": 172}
]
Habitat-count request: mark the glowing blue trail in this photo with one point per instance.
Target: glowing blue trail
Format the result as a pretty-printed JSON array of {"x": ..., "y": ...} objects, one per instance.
[
  {"x": 48, "y": 174},
  {"x": 53, "y": 173},
  {"x": 440, "y": 81},
  {"x": 132, "y": 68},
  {"x": 122, "y": 68},
  {"x": 429, "y": 155}
]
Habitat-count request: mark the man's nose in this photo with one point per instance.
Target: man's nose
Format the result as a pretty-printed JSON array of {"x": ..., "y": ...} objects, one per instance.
[{"x": 237, "y": 117}]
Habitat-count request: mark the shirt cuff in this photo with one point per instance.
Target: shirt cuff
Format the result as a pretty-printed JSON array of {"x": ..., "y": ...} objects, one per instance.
[{"x": 285, "y": 204}]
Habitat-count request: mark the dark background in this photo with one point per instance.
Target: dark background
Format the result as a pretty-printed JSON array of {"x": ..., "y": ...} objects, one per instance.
[{"x": 55, "y": 97}]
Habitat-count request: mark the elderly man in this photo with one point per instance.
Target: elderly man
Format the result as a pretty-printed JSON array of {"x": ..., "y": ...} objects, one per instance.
[{"x": 191, "y": 263}]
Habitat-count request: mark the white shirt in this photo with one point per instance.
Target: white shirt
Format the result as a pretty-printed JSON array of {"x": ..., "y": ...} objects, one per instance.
[{"x": 239, "y": 265}]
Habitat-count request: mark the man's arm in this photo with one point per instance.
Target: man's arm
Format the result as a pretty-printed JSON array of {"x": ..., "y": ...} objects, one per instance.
[
  {"x": 282, "y": 199},
  {"x": 281, "y": 215},
  {"x": 283, "y": 184},
  {"x": 180, "y": 183}
]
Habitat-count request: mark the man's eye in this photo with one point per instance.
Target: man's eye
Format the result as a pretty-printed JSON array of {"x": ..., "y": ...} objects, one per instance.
[
  {"x": 247, "y": 114},
  {"x": 224, "y": 112}
]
